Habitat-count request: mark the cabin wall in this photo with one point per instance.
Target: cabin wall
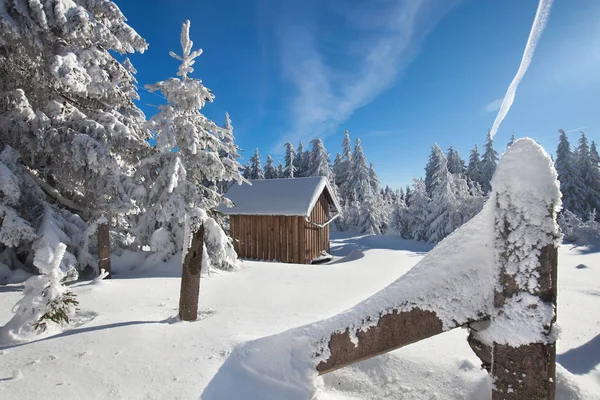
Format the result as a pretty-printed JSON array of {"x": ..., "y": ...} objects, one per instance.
[
  {"x": 267, "y": 237},
  {"x": 281, "y": 238},
  {"x": 317, "y": 239}
]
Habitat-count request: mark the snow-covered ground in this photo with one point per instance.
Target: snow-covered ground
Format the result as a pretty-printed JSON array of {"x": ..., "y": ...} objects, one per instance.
[{"x": 130, "y": 345}]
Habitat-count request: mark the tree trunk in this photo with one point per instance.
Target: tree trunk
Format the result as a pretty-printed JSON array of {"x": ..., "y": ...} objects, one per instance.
[
  {"x": 190, "y": 278},
  {"x": 104, "y": 250}
]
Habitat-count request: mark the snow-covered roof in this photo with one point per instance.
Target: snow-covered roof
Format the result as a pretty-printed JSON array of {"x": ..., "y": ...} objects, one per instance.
[{"x": 290, "y": 196}]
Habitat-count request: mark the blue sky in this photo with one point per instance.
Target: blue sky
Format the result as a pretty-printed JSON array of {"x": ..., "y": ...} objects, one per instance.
[{"x": 400, "y": 75}]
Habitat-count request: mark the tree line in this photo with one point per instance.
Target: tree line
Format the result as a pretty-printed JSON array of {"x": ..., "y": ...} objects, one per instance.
[{"x": 451, "y": 192}]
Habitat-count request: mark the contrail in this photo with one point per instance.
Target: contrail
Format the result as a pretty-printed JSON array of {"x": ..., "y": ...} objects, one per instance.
[{"x": 539, "y": 23}]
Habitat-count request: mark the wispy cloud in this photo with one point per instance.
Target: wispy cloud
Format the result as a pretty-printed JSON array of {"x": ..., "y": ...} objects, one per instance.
[
  {"x": 333, "y": 78},
  {"x": 494, "y": 105},
  {"x": 577, "y": 129},
  {"x": 539, "y": 23}
]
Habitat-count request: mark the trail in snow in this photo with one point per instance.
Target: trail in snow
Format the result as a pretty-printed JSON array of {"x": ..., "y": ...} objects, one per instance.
[{"x": 539, "y": 23}]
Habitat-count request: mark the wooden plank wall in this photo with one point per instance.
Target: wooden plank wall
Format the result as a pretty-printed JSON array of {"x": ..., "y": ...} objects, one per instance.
[
  {"x": 281, "y": 238},
  {"x": 317, "y": 239},
  {"x": 265, "y": 237}
]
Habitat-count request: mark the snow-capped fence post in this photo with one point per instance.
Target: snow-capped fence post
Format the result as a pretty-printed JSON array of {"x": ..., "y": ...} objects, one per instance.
[
  {"x": 190, "y": 277},
  {"x": 104, "y": 248},
  {"x": 518, "y": 347}
]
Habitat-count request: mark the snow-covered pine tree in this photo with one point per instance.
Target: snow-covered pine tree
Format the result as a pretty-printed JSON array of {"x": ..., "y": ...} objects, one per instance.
[
  {"x": 301, "y": 161},
  {"x": 398, "y": 219},
  {"x": 433, "y": 165},
  {"x": 359, "y": 180},
  {"x": 512, "y": 140},
  {"x": 374, "y": 180},
  {"x": 365, "y": 210},
  {"x": 418, "y": 210},
  {"x": 456, "y": 165},
  {"x": 594, "y": 154},
  {"x": 182, "y": 175},
  {"x": 66, "y": 108},
  {"x": 270, "y": 169},
  {"x": 474, "y": 167},
  {"x": 342, "y": 168},
  {"x": 319, "y": 164},
  {"x": 67, "y": 103},
  {"x": 569, "y": 176},
  {"x": 444, "y": 215},
  {"x": 590, "y": 175},
  {"x": 246, "y": 171},
  {"x": 280, "y": 170},
  {"x": 290, "y": 155},
  {"x": 489, "y": 160},
  {"x": 407, "y": 194},
  {"x": 338, "y": 169},
  {"x": 230, "y": 150},
  {"x": 256, "y": 171}
]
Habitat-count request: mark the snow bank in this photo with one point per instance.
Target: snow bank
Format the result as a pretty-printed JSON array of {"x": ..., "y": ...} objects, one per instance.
[
  {"x": 456, "y": 281},
  {"x": 451, "y": 280}
]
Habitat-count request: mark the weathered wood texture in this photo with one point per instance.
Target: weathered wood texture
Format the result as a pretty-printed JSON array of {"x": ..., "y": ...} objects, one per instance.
[
  {"x": 288, "y": 239},
  {"x": 391, "y": 332},
  {"x": 104, "y": 250},
  {"x": 524, "y": 372},
  {"x": 190, "y": 278},
  {"x": 528, "y": 371}
]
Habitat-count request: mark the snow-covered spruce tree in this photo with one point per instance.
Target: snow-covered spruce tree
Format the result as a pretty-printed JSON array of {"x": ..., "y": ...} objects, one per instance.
[
  {"x": 256, "y": 171},
  {"x": 270, "y": 169},
  {"x": 594, "y": 154},
  {"x": 182, "y": 175},
  {"x": 67, "y": 102},
  {"x": 444, "y": 212},
  {"x": 474, "y": 167},
  {"x": 341, "y": 169},
  {"x": 364, "y": 209},
  {"x": 374, "y": 180},
  {"x": 338, "y": 168},
  {"x": 418, "y": 211},
  {"x": 590, "y": 174},
  {"x": 280, "y": 170},
  {"x": 569, "y": 176},
  {"x": 359, "y": 181},
  {"x": 66, "y": 108},
  {"x": 489, "y": 160},
  {"x": 290, "y": 155},
  {"x": 512, "y": 140},
  {"x": 433, "y": 164},
  {"x": 398, "y": 219},
  {"x": 456, "y": 165},
  {"x": 301, "y": 161},
  {"x": 229, "y": 150},
  {"x": 319, "y": 161}
]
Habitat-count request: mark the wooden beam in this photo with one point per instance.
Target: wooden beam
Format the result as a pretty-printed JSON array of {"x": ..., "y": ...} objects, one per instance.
[{"x": 391, "y": 332}]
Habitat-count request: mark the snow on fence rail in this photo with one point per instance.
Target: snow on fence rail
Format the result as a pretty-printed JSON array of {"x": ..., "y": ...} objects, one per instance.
[{"x": 496, "y": 275}]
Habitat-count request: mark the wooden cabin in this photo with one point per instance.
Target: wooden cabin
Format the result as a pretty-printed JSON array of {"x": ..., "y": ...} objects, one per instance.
[{"x": 285, "y": 220}]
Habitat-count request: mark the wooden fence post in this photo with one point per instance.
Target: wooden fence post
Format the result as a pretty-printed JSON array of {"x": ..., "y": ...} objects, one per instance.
[
  {"x": 527, "y": 371},
  {"x": 518, "y": 346},
  {"x": 104, "y": 249},
  {"x": 190, "y": 277}
]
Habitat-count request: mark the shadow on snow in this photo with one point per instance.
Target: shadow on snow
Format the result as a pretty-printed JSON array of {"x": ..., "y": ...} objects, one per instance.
[{"x": 583, "y": 359}]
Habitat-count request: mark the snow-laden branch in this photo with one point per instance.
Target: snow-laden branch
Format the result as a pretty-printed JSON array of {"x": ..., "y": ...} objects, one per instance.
[{"x": 84, "y": 212}]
